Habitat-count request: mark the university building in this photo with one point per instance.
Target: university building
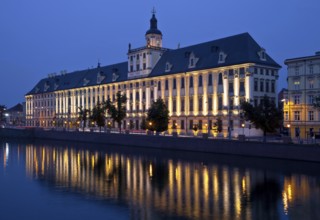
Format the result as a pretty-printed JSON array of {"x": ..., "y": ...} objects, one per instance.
[
  {"x": 300, "y": 116},
  {"x": 199, "y": 84}
]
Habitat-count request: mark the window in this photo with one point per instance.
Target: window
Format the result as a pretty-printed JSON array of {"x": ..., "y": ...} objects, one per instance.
[
  {"x": 297, "y": 116},
  {"x": 131, "y": 68},
  {"x": 137, "y": 56},
  {"x": 296, "y": 70},
  {"x": 310, "y": 99},
  {"x": 256, "y": 85},
  {"x": 174, "y": 105},
  {"x": 286, "y": 116},
  {"x": 182, "y": 124},
  {"x": 311, "y": 69},
  {"x": 144, "y": 55},
  {"x": 311, "y": 115},
  {"x": 200, "y": 80},
  {"x": 242, "y": 86},
  {"x": 159, "y": 86},
  {"x": 182, "y": 105},
  {"x": 200, "y": 104},
  {"x": 231, "y": 72},
  {"x": 137, "y": 85},
  {"x": 200, "y": 124},
  {"x": 296, "y": 99},
  {"x": 231, "y": 87},
  {"x": 267, "y": 86},
  {"x": 296, "y": 84},
  {"x": 144, "y": 66},
  {"x": 241, "y": 71},
  {"x": 166, "y": 84},
  {"x": 137, "y": 96},
  {"x": 138, "y": 67},
  {"x": 255, "y": 70},
  {"x": 182, "y": 83},
  {"x": 174, "y": 84},
  {"x": 143, "y": 95},
  {"x": 311, "y": 84},
  {"x": 220, "y": 103},
  {"x": 191, "y": 62},
  {"x": 131, "y": 58},
  {"x": 210, "y": 104},
  {"x": 210, "y": 80},
  {"x": 190, "y": 124},
  {"x": 220, "y": 79},
  {"x": 273, "y": 87},
  {"x": 191, "y": 104},
  {"x": 191, "y": 82},
  {"x": 261, "y": 86}
]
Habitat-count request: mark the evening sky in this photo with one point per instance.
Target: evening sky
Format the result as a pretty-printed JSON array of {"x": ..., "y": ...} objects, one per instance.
[{"x": 43, "y": 37}]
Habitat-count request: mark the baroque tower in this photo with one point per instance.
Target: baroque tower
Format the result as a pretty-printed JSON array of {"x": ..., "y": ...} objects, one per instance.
[{"x": 142, "y": 60}]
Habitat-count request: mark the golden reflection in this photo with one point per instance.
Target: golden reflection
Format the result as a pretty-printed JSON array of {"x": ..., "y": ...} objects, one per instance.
[{"x": 185, "y": 189}]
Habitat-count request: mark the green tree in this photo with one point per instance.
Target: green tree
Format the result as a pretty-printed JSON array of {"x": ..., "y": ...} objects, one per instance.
[
  {"x": 83, "y": 116},
  {"x": 143, "y": 124},
  {"x": 117, "y": 110},
  {"x": 266, "y": 116},
  {"x": 158, "y": 115},
  {"x": 98, "y": 115},
  {"x": 2, "y": 110}
]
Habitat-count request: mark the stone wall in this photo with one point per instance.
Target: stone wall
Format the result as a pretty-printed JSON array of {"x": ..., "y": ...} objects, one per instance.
[{"x": 255, "y": 149}]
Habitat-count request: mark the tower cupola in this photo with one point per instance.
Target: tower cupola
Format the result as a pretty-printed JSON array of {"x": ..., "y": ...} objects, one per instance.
[{"x": 154, "y": 35}]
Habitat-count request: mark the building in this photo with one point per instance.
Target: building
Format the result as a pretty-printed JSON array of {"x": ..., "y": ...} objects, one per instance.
[
  {"x": 199, "y": 84},
  {"x": 15, "y": 116},
  {"x": 300, "y": 116}
]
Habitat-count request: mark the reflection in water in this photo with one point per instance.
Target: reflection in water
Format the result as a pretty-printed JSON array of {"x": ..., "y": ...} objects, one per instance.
[{"x": 174, "y": 188}]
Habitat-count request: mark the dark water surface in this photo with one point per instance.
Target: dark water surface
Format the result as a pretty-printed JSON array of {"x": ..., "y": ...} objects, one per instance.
[{"x": 57, "y": 180}]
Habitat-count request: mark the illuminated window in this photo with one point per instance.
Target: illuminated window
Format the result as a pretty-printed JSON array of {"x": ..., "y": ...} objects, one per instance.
[{"x": 297, "y": 116}]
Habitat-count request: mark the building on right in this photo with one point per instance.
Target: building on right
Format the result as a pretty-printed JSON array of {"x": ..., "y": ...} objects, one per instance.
[{"x": 300, "y": 117}]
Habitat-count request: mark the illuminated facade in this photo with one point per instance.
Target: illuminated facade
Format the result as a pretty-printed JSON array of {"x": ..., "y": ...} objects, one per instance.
[
  {"x": 302, "y": 119},
  {"x": 199, "y": 84}
]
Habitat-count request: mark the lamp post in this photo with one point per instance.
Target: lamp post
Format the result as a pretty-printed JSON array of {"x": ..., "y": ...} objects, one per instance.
[{"x": 242, "y": 125}]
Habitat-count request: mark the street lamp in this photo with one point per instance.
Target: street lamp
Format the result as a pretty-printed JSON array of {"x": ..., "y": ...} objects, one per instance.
[{"x": 242, "y": 125}]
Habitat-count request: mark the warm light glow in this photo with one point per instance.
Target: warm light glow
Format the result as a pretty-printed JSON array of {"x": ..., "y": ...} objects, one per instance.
[
  {"x": 288, "y": 125},
  {"x": 242, "y": 125}
]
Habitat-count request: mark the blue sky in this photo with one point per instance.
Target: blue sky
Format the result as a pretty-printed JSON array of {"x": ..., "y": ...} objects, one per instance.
[{"x": 42, "y": 37}]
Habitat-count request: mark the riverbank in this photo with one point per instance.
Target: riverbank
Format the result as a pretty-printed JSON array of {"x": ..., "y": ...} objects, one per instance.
[{"x": 233, "y": 147}]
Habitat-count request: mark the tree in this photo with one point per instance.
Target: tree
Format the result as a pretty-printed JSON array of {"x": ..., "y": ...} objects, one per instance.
[
  {"x": 83, "y": 116},
  {"x": 143, "y": 124},
  {"x": 117, "y": 110},
  {"x": 158, "y": 116},
  {"x": 316, "y": 103},
  {"x": 266, "y": 116},
  {"x": 98, "y": 115},
  {"x": 2, "y": 110}
]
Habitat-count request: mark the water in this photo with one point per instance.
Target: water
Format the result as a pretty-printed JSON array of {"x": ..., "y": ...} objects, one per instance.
[{"x": 56, "y": 180}]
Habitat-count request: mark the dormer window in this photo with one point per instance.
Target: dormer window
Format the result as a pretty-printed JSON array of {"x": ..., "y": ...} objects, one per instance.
[
  {"x": 100, "y": 77},
  {"x": 168, "y": 67},
  {"x": 222, "y": 57},
  {"x": 85, "y": 82},
  {"x": 193, "y": 60},
  {"x": 262, "y": 54}
]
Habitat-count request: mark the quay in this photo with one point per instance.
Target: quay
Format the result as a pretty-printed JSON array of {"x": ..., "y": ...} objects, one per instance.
[{"x": 287, "y": 151}]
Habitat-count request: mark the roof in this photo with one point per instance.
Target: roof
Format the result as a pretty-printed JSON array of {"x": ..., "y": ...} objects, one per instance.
[
  {"x": 316, "y": 56},
  {"x": 238, "y": 49},
  {"x": 17, "y": 108}
]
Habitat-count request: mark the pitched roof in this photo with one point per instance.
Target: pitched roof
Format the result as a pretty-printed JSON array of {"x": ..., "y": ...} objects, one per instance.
[
  {"x": 17, "y": 108},
  {"x": 238, "y": 49}
]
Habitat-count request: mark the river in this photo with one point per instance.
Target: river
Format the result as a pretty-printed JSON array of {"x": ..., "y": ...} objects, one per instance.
[{"x": 65, "y": 180}]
